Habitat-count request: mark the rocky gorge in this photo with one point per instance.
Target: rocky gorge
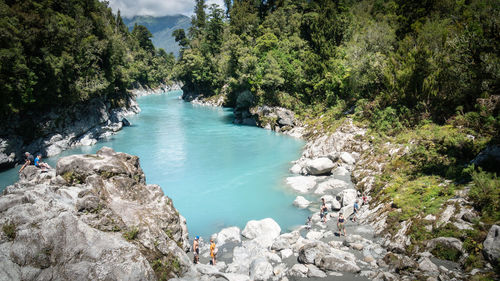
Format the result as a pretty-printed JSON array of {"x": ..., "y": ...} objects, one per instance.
[
  {"x": 63, "y": 128},
  {"x": 94, "y": 218},
  {"x": 337, "y": 167}
]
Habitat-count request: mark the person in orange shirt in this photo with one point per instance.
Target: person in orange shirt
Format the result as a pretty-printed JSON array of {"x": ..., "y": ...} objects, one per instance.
[{"x": 213, "y": 251}]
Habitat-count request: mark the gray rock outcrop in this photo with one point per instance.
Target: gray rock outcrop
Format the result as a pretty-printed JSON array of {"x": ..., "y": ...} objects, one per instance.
[
  {"x": 492, "y": 243},
  {"x": 94, "y": 218},
  {"x": 61, "y": 128}
]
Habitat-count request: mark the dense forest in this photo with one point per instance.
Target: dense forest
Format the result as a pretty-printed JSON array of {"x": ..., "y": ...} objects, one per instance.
[
  {"x": 60, "y": 52},
  {"x": 401, "y": 61},
  {"x": 424, "y": 75}
]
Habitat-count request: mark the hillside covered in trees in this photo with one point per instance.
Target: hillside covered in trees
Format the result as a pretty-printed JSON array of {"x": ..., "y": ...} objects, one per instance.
[
  {"x": 60, "y": 53},
  {"x": 424, "y": 75}
]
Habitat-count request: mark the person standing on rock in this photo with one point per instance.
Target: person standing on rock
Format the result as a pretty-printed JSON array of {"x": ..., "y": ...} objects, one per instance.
[
  {"x": 196, "y": 249},
  {"x": 341, "y": 224},
  {"x": 324, "y": 210},
  {"x": 355, "y": 211},
  {"x": 28, "y": 161},
  {"x": 213, "y": 251},
  {"x": 365, "y": 199}
]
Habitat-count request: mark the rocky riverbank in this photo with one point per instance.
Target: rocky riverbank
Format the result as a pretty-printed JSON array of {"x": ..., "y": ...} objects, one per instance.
[
  {"x": 92, "y": 218},
  {"x": 337, "y": 167},
  {"x": 63, "y": 128}
]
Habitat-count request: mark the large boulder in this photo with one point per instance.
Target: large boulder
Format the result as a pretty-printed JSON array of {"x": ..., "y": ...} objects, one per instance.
[
  {"x": 301, "y": 184},
  {"x": 263, "y": 231},
  {"x": 425, "y": 264},
  {"x": 319, "y": 166},
  {"x": 335, "y": 263},
  {"x": 260, "y": 269},
  {"x": 313, "y": 251},
  {"x": 347, "y": 158},
  {"x": 347, "y": 210},
  {"x": 329, "y": 185},
  {"x": 228, "y": 234},
  {"x": 492, "y": 243},
  {"x": 101, "y": 222},
  {"x": 285, "y": 240},
  {"x": 301, "y": 202},
  {"x": 348, "y": 196},
  {"x": 488, "y": 158}
]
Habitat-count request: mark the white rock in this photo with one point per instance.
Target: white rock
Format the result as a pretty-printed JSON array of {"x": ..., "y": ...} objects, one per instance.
[
  {"x": 426, "y": 264},
  {"x": 315, "y": 272},
  {"x": 331, "y": 184},
  {"x": 311, "y": 251},
  {"x": 260, "y": 269},
  {"x": 348, "y": 196},
  {"x": 280, "y": 270},
  {"x": 340, "y": 172},
  {"x": 335, "y": 263},
  {"x": 286, "y": 253},
  {"x": 492, "y": 243},
  {"x": 285, "y": 240},
  {"x": 314, "y": 235},
  {"x": 347, "y": 210},
  {"x": 301, "y": 202},
  {"x": 228, "y": 234},
  {"x": 347, "y": 158},
  {"x": 236, "y": 277},
  {"x": 263, "y": 231},
  {"x": 295, "y": 169},
  {"x": 445, "y": 216},
  {"x": 298, "y": 270},
  {"x": 319, "y": 166},
  {"x": 301, "y": 184}
]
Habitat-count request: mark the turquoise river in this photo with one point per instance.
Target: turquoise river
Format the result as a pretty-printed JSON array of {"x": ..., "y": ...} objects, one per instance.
[{"x": 217, "y": 173}]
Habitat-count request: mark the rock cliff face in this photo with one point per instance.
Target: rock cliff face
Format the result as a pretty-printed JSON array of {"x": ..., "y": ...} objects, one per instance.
[
  {"x": 93, "y": 218},
  {"x": 62, "y": 128}
]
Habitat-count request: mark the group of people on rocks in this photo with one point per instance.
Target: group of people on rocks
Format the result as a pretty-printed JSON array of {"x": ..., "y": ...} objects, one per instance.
[
  {"x": 341, "y": 219},
  {"x": 196, "y": 251},
  {"x": 37, "y": 162}
]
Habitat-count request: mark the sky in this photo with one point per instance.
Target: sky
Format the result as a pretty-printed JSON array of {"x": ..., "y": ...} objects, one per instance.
[{"x": 157, "y": 8}]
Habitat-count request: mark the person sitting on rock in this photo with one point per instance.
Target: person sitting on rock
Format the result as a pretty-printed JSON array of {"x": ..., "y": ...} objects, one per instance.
[
  {"x": 196, "y": 249},
  {"x": 365, "y": 199},
  {"x": 340, "y": 224},
  {"x": 40, "y": 164},
  {"x": 28, "y": 161},
  {"x": 308, "y": 223},
  {"x": 324, "y": 210},
  {"x": 355, "y": 210}
]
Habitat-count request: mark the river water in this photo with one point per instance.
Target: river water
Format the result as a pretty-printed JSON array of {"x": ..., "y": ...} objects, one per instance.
[{"x": 217, "y": 173}]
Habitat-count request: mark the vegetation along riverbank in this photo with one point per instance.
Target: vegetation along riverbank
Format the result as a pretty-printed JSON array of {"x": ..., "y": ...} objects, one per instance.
[{"x": 420, "y": 78}]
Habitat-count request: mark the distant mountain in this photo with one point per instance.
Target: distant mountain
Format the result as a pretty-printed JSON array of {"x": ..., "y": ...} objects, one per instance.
[{"x": 162, "y": 28}]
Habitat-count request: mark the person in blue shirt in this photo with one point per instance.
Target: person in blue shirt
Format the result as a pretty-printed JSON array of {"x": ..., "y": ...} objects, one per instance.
[
  {"x": 356, "y": 209},
  {"x": 40, "y": 164}
]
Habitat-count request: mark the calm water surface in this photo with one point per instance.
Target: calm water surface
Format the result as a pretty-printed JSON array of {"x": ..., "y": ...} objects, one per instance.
[{"x": 217, "y": 173}]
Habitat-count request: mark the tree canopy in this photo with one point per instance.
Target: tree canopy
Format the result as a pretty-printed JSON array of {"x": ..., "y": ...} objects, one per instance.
[
  {"x": 408, "y": 61},
  {"x": 58, "y": 53}
]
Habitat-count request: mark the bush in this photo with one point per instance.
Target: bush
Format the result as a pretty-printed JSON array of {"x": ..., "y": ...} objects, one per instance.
[
  {"x": 132, "y": 234},
  {"x": 446, "y": 253},
  {"x": 485, "y": 195},
  {"x": 9, "y": 229}
]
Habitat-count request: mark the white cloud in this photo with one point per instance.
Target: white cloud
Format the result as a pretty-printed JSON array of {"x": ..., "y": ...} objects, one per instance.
[{"x": 157, "y": 8}]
